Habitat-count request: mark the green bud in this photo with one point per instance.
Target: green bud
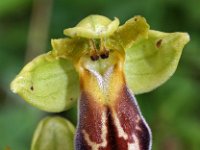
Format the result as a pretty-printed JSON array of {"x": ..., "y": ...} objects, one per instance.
[{"x": 53, "y": 133}]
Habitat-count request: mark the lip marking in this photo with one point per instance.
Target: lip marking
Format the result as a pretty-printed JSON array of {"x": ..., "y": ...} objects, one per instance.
[
  {"x": 104, "y": 131},
  {"x": 135, "y": 145},
  {"x": 102, "y": 79},
  {"x": 121, "y": 132}
]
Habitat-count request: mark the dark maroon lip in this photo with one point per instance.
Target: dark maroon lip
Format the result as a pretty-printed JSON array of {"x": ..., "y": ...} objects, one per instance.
[{"x": 129, "y": 117}]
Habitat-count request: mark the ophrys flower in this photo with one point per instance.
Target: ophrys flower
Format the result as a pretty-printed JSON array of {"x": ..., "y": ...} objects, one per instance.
[{"x": 109, "y": 63}]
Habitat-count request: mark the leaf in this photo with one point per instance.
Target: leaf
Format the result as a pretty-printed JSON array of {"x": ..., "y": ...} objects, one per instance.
[
  {"x": 48, "y": 83},
  {"x": 53, "y": 133},
  {"x": 152, "y": 61}
]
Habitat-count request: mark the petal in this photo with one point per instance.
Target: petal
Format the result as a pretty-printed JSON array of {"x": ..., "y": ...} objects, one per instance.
[
  {"x": 128, "y": 33},
  {"x": 150, "y": 62},
  {"x": 53, "y": 133},
  {"x": 48, "y": 83},
  {"x": 63, "y": 47},
  {"x": 70, "y": 48},
  {"x": 93, "y": 26}
]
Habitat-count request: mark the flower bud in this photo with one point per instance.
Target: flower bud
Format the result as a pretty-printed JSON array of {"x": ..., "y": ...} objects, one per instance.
[{"x": 53, "y": 133}]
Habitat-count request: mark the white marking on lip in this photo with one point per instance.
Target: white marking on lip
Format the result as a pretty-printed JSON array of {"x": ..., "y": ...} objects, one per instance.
[
  {"x": 104, "y": 132},
  {"x": 98, "y": 77},
  {"x": 121, "y": 132},
  {"x": 137, "y": 121},
  {"x": 138, "y": 128},
  {"x": 102, "y": 79},
  {"x": 135, "y": 145}
]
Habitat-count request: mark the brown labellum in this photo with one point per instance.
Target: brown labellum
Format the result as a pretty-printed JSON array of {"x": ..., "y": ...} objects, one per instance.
[
  {"x": 120, "y": 127},
  {"x": 109, "y": 117}
]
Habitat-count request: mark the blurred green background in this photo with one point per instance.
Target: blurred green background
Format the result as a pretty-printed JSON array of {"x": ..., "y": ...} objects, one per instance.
[{"x": 26, "y": 27}]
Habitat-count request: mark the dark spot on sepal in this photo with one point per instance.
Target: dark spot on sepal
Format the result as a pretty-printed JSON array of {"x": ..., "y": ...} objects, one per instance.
[
  {"x": 158, "y": 43},
  {"x": 32, "y": 88},
  {"x": 136, "y": 19}
]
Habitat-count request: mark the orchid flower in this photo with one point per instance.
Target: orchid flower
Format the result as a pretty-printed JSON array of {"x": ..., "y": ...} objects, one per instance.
[{"x": 102, "y": 65}]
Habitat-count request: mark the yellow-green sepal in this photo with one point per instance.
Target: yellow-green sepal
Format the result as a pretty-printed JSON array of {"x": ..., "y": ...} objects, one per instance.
[
  {"x": 151, "y": 61},
  {"x": 48, "y": 82},
  {"x": 93, "y": 26},
  {"x": 53, "y": 133}
]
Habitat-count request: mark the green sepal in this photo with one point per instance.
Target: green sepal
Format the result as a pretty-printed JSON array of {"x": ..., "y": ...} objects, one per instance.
[
  {"x": 48, "y": 82},
  {"x": 53, "y": 133},
  {"x": 152, "y": 61},
  {"x": 92, "y": 27}
]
